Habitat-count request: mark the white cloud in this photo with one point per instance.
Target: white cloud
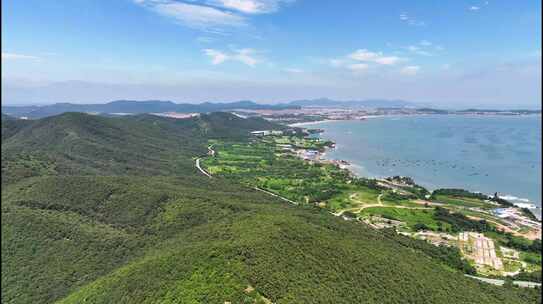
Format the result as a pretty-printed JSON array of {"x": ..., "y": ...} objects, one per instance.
[
  {"x": 417, "y": 50},
  {"x": 410, "y": 70},
  {"x": 363, "y": 55},
  {"x": 9, "y": 56},
  {"x": 217, "y": 57},
  {"x": 193, "y": 15},
  {"x": 245, "y": 56},
  {"x": 474, "y": 8},
  {"x": 388, "y": 60},
  {"x": 410, "y": 20},
  {"x": 358, "y": 67},
  {"x": 216, "y": 16},
  {"x": 367, "y": 56},
  {"x": 249, "y": 6},
  {"x": 423, "y": 48}
]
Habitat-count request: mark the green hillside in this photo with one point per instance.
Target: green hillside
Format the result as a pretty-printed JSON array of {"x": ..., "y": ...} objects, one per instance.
[
  {"x": 12, "y": 125},
  {"x": 111, "y": 210},
  {"x": 76, "y": 143}
]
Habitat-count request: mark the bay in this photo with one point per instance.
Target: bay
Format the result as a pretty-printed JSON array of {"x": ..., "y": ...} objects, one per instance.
[{"x": 479, "y": 153}]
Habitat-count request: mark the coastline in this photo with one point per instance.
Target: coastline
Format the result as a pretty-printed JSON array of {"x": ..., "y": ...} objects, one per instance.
[
  {"x": 517, "y": 202},
  {"x": 301, "y": 124},
  {"x": 536, "y": 210}
]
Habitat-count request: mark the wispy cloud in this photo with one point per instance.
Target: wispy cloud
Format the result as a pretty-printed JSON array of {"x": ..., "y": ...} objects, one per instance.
[
  {"x": 246, "y": 56},
  {"x": 367, "y": 56},
  {"x": 215, "y": 16},
  {"x": 217, "y": 57},
  {"x": 411, "y": 20},
  {"x": 363, "y": 60},
  {"x": 250, "y": 6},
  {"x": 193, "y": 15},
  {"x": 410, "y": 70},
  {"x": 14, "y": 56},
  {"x": 475, "y": 8},
  {"x": 423, "y": 48}
]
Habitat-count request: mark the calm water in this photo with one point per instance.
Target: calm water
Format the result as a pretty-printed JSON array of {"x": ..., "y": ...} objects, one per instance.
[{"x": 487, "y": 154}]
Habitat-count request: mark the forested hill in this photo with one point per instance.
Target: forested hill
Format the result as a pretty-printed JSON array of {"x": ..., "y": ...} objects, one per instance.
[
  {"x": 137, "y": 107},
  {"x": 111, "y": 210},
  {"x": 77, "y": 143}
]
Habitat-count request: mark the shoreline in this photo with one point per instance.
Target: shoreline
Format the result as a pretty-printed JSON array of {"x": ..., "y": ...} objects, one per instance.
[
  {"x": 301, "y": 124},
  {"x": 308, "y": 123},
  {"x": 537, "y": 211}
]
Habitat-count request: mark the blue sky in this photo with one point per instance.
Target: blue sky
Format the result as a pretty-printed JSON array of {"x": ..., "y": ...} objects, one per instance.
[{"x": 447, "y": 53}]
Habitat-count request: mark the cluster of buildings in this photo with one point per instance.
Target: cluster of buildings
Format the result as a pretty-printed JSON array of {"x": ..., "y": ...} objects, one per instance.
[
  {"x": 515, "y": 219},
  {"x": 266, "y": 133},
  {"x": 378, "y": 222},
  {"x": 311, "y": 155},
  {"x": 435, "y": 238},
  {"x": 175, "y": 115},
  {"x": 480, "y": 248}
]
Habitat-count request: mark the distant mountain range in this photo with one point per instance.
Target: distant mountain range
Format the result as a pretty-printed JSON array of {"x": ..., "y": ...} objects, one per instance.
[
  {"x": 136, "y": 107},
  {"x": 158, "y": 106},
  {"x": 368, "y": 103},
  {"x": 122, "y": 107}
]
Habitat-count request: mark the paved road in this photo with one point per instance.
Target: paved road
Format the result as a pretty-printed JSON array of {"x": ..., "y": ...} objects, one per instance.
[
  {"x": 210, "y": 152},
  {"x": 200, "y": 168},
  {"x": 501, "y": 282},
  {"x": 278, "y": 196}
]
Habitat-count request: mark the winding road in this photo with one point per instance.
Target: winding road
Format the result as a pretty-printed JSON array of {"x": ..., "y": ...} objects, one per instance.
[
  {"x": 204, "y": 172},
  {"x": 200, "y": 168}
]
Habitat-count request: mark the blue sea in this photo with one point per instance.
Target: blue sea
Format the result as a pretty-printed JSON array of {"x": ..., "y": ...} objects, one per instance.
[{"x": 479, "y": 153}]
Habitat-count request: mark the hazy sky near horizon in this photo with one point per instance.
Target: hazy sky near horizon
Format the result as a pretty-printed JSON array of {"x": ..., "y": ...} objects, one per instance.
[{"x": 447, "y": 53}]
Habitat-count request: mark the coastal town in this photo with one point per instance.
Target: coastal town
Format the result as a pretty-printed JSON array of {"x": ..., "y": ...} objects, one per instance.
[{"x": 304, "y": 115}]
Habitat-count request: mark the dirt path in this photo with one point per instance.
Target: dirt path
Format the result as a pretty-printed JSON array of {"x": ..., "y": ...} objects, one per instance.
[
  {"x": 379, "y": 199},
  {"x": 424, "y": 202}
]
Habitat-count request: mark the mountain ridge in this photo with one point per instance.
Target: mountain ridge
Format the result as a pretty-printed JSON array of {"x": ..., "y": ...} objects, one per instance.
[
  {"x": 135, "y": 107},
  {"x": 365, "y": 103}
]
